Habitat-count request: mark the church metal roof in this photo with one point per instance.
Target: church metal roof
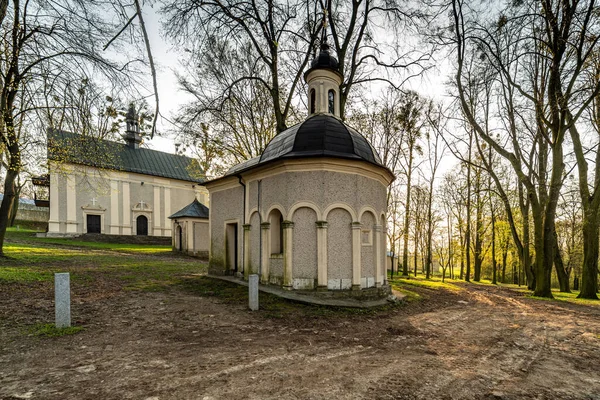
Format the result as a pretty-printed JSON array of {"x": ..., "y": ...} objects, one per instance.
[
  {"x": 321, "y": 135},
  {"x": 193, "y": 210},
  {"x": 100, "y": 153}
]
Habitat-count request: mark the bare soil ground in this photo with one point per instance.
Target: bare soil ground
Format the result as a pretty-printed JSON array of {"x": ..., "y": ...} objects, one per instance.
[{"x": 189, "y": 342}]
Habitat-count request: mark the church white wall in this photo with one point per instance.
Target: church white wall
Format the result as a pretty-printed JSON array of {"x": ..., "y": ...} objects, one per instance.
[
  {"x": 320, "y": 187},
  {"x": 229, "y": 209},
  {"x": 201, "y": 236},
  {"x": 339, "y": 249},
  {"x": 336, "y": 230},
  {"x": 304, "y": 254},
  {"x": 195, "y": 238},
  {"x": 118, "y": 197}
]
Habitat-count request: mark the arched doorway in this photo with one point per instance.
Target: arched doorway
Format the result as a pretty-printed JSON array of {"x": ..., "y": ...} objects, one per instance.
[
  {"x": 179, "y": 238},
  {"x": 142, "y": 225}
]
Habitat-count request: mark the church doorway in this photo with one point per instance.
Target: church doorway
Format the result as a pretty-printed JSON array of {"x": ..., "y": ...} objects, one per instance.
[
  {"x": 93, "y": 223},
  {"x": 142, "y": 225},
  {"x": 231, "y": 244},
  {"x": 179, "y": 238}
]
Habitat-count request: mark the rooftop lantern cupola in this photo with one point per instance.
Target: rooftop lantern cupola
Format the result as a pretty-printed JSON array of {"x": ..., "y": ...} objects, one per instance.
[
  {"x": 132, "y": 132},
  {"x": 324, "y": 80}
]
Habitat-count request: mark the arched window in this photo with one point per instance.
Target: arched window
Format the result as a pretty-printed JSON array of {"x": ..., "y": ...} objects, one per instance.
[
  {"x": 179, "y": 238},
  {"x": 276, "y": 221},
  {"x": 312, "y": 101},
  {"x": 331, "y": 98}
]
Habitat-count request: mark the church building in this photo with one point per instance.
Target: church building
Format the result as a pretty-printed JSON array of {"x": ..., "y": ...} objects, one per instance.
[
  {"x": 102, "y": 186},
  {"x": 309, "y": 213}
]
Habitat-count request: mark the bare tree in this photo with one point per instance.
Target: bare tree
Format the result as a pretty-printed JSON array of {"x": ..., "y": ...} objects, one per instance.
[
  {"x": 539, "y": 49},
  {"x": 45, "y": 42}
]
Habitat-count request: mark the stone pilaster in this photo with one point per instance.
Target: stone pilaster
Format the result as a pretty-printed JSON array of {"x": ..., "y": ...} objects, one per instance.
[
  {"x": 247, "y": 265},
  {"x": 114, "y": 208},
  {"x": 72, "y": 205},
  {"x": 379, "y": 274},
  {"x": 288, "y": 227},
  {"x": 356, "y": 249},
  {"x": 322, "y": 254},
  {"x": 265, "y": 231}
]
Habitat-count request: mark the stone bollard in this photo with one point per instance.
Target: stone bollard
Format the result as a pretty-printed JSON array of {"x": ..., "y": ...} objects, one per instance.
[
  {"x": 253, "y": 292},
  {"x": 62, "y": 300}
]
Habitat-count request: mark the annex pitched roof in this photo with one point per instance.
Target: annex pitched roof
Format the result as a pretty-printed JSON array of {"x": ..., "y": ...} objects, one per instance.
[{"x": 193, "y": 210}]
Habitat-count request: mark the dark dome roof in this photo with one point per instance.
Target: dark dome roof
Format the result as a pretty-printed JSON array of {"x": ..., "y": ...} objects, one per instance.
[
  {"x": 320, "y": 135},
  {"x": 324, "y": 60}
]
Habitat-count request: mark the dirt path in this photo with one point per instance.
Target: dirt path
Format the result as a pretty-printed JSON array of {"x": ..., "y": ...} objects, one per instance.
[{"x": 481, "y": 343}]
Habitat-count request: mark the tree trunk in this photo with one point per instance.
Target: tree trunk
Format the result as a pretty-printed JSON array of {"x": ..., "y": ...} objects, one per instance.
[
  {"x": 462, "y": 261},
  {"x": 407, "y": 214},
  {"x": 416, "y": 257},
  {"x": 504, "y": 256},
  {"x": 6, "y": 206},
  {"x": 428, "y": 269},
  {"x": 561, "y": 274},
  {"x": 14, "y": 209},
  {"x": 494, "y": 275},
  {"x": 544, "y": 255},
  {"x": 526, "y": 256},
  {"x": 589, "y": 275},
  {"x": 468, "y": 232}
]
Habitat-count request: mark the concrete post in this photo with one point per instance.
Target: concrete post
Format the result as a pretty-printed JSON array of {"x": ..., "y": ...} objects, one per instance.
[
  {"x": 322, "y": 254},
  {"x": 62, "y": 300},
  {"x": 356, "y": 250},
  {"x": 265, "y": 231},
  {"x": 288, "y": 227},
  {"x": 253, "y": 292}
]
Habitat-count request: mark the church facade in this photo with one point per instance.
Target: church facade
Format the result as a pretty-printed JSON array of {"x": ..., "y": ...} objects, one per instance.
[
  {"x": 106, "y": 187},
  {"x": 310, "y": 212}
]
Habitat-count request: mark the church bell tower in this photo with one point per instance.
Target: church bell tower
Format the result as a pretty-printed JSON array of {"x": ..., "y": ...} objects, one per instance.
[
  {"x": 132, "y": 133},
  {"x": 324, "y": 80}
]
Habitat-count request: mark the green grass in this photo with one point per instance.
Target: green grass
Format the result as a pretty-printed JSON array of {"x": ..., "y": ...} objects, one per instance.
[
  {"x": 434, "y": 283},
  {"x": 130, "y": 266},
  {"x": 568, "y": 298},
  {"x": 50, "y": 330},
  {"x": 410, "y": 295},
  {"x": 13, "y": 275}
]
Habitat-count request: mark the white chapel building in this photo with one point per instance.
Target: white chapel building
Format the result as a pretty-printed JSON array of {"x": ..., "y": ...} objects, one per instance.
[
  {"x": 309, "y": 213},
  {"x": 106, "y": 187}
]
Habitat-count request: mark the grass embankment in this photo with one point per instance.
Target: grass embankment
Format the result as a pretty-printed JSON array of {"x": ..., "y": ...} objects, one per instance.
[
  {"x": 130, "y": 266},
  {"x": 96, "y": 266},
  {"x": 435, "y": 283}
]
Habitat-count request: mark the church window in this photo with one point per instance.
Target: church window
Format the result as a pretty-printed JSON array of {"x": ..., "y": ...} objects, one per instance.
[
  {"x": 331, "y": 97},
  {"x": 312, "y": 101},
  {"x": 276, "y": 220}
]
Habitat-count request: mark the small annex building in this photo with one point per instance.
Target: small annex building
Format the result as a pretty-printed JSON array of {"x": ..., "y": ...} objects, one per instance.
[
  {"x": 107, "y": 187},
  {"x": 309, "y": 214},
  {"x": 190, "y": 229}
]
